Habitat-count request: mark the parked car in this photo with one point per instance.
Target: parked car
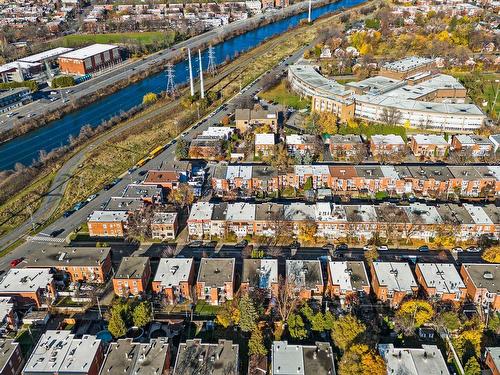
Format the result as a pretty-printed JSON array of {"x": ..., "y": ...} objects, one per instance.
[
  {"x": 367, "y": 247},
  {"x": 79, "y": 205},
  {"x": 473, "y": 249},
  {"x": 382, "y": 248},
  {"x": 56, "y": 232},
  {"x": 107, "y": 187},
  {"x": 242, "y": 243},
  {"x": 15, "y": 262},
  {"x": 195, "y": 243},
  {"x": 92, "y": 197},
  {"x": 423, "y": 248},
  {"x": 68, "y": 213},
  {"x": 343, "y": 247},
  {"x": 458, "y": 249}
]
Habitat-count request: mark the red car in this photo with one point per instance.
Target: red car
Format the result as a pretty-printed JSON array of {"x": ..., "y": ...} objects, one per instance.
[{"x": 15, "y": 262}]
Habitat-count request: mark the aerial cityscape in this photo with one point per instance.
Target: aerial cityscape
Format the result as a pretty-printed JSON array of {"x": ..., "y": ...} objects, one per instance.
[{"x": 277, "y": 187}]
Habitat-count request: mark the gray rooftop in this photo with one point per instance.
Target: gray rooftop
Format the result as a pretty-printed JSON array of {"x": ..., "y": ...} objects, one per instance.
[
  {"x": 173, "y": 271},
  {"x": 436, "y": 172},
  {"x": 132, "y": 268},
  {"x": 425, "y": 361},
  {"x": 290, "y": 359},
  {"x": 345, "y": 139},
  {"x": 350, "y": 276},
  {"x": 129, "y": 358},
  {"x": 444, "y": 277},
  {"x": 195, "y": 357},
  {"x": 260, "y": 273},
  {"x": 408, "y": 63},
  {"x": 485, "y": 276},
  {"x": 215, "y": 272},
  {"x": 269, "y": 211},
  {"x": 124, "y": 204},
  {"x": 264, "y": 172},
  {"x": 7, "y": 348},
  {"x": 395, "y": 276},
  {"x": 495, "y": 355},
  {"x": 56, "y": 256},
  {"x": 142, "y": 191},
  {"x": 305, "y": 274}
]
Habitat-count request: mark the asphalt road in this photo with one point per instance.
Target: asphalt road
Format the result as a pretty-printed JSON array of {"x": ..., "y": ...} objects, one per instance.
[
  {"x": 122, "y": 71},
  {"x": 64, "y": 226}
]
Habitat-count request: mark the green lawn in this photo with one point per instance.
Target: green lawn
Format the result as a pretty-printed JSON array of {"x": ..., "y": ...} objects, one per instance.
[
  {"x": 372, "y": 129},
  {"x": 75, "y": 40},
  {"x": 283, "y": 96},
  {"x": 203, "y": 308}
]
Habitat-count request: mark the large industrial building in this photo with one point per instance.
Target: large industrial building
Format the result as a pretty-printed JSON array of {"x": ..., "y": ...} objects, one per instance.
[
  {"x": 408, "y": 91},
  {"x": 89, "y": 59}
]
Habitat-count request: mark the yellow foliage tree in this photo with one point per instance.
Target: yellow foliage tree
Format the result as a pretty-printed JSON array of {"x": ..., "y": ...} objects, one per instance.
[
  {"x": 492, "y": 254},
  {"x": 307, "y": 232},
  {"x": 346, "y": 330},
  {"x": 149, "y": 98},
  {"x": 328, "y": 123},
  {"x": 366, "y": 49},
  {"x": 360, "y": 360},
  {"x": 421, "y": 311},
  {"x": 228, "y": 314}
]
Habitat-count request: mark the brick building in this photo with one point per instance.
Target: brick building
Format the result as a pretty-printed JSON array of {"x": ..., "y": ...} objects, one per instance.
[
  {"x": 164, "y": 225},
  {"x": 132, "y": 276},
  {"x": 482, "y": 282},
  {"x": 306, "y": 277},
  {"x": 216, "y": 278},
  {"x": 174, "y": 279},
  {"x": 89, "y": 59},
  {"x": 28, "y": 286},
  {"x": 392, "y": 282},
  {"x": 260, "y": 274},
  {"x": 11, "y": 358},
  {"x": 107, "y": 223},
  {"x": 347, "y": 278},
  {"x": 440, "y": 281}
]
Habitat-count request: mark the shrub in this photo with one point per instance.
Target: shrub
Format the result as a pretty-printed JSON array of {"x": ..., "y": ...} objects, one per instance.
[{"x": 63, "y": 81}]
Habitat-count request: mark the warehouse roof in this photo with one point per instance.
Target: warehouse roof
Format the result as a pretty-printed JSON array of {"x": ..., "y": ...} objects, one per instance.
[
  {"x": 42, "y": 56},
  {"x": 92, "y": 50}
]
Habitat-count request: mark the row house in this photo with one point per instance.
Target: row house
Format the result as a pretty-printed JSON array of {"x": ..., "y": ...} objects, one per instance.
[
  {"x": 441, "y": 281},
  {"x": 477, "y": 145},
  {"x": 132, "y": 276},
  {"x": 174, "y": 280},
  {"x": 347, "y": 279},
  {"x": 392, "y": 282},
  {"x": 301, "y": 143},
  {"x": 260, "y": 274},
  {"x": 421, "y": 180},
  {"x": 29, "y": 286},
  {"x": 302, "y": 359},
  {"x": 429, "y": 146},
  {"x": 306, "y": 278},
  {"x": 216, "y": 279},
  {"x": 416, "y": 221},
  {"x": 481, "y": 281},
  {"x": 80, "y": 264}
]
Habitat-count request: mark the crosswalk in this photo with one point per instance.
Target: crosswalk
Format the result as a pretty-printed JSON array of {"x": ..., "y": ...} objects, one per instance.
[{"x": 40, "y": 238}]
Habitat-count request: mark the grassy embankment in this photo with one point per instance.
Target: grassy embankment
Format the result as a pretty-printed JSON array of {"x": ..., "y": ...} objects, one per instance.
[
  {"x": 117, "y": 155},
  {"x": 150, "y": 37}
]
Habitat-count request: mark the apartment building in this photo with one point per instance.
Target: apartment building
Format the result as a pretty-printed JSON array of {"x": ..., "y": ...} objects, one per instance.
[
  {"x": 59, "y": 353},
  {"x": 264, "y": 144},
  {"x": 392, "y": 282},
  {"x": 261, "y": 274},
  {"x": 386, "y": 145},
  {"x": 131, "y": 358},
  {"x": 216, "y": 279},
  {"x": 482, "y": 281},
  {"x": 132, "y": 276},
  {"x": 196, "y": 357},
  {"x": 167, "y": 179},
  {"x": 315, "y": 359},
  {"x": 164, "y": 225},
  {"x": 28, "y": 286},
  {"x": 429, "y": 146},
  {"x": 200, "y": 220},
  {"x": 477, "y": 145},
  {"x": 174, "y": 279},
  {"x": 85, "y": 264},
  {"x": 148, "y": 193},
  {"x": 344, "y": 146},
  {"x": 248, "y": 118},
  {"x": 492, "y": 359},
  {"x": 107, "y": 223},
  {"x": 347, "y": 278},
  {"x": 413, "y": 361},
  {"x": 301, "y": 143},
  {"x": 306, "y": 277},
  {"x": 11, "y": 360},
  {"x": 8, "y": 317},
  {"x": 441, "y": 281}
]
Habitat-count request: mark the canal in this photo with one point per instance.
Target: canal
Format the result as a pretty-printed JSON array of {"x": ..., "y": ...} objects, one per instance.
[{"x": 25, "y": 149}]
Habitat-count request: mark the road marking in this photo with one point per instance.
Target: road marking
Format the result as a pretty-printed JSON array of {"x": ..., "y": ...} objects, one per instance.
[{"x": 39, "y": 238}]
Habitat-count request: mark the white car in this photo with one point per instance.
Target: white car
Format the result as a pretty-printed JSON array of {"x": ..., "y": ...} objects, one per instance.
[
  {"x": 458, "y": 249},
  {"x": 382, "y": 248},
  {"x": 367, "y": 248},
  {"x": 474, "y": 249},
  {"x": 91, "y": 197}
]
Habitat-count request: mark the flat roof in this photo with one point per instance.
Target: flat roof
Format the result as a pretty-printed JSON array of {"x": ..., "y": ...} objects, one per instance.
[
  {"x": 473, "y": 139},
  {"x": 164, "y": 217},
  {"x": 260, "y": 273},
  {"x": 7, "y": 348},
  {"x": 158, "y": 177},
  {"x": 265, "y": 139},
  {"x": 240, "y": 211},
  {"x": 83, "y": 53},
  {"x": 6, "y": 306},
  {"x": 302, "y": 359},
  {"x": 215, "y": 272},
  {"x": 408, "y": 63},
  {"x": 201, "y": 211},
  {"x": 386, "y": 139},
  {"x": 173, "y": 271},
  {"x": 430, "y": 139},
  {"x": 195, "y": 357},
  {"x": 494, "y": 353},
  {"x": 478, "y": 214},
  {"x": 53, "y": 256},
  {"x": 305, "y": 274},
  {"x": 131, "y": 358},
  {"x": 60, "y": 352},
  {"x": 264, "y": 172},
  {"x": 425, "y": 360},
  {"x": 239, "y": 171},
  {"x": 396, "y": 276},
  {"x": 269, "y": 211},
  {"x": 345, "y": 139},
  {"x": 299, "y": 211},
  {"x": 485, "y": 276},
  {"x": 142, "y": 191},
  {"x": 444, "y": 277},
  {"x": 124, "y": 204},
  {"x": 108, "y": 216},
  {"x": 326, "y": 211},
  {"x": 42, "y": 56},
  {"x": 132, "y": 268},
  {"x": 350, "y": 276},
  {"x": 18, "y": 280}
]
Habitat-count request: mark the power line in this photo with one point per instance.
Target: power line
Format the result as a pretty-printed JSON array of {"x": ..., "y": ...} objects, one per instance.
[
  {"x": 211, "y": 69},
  {"x": 170, "y": 79}
]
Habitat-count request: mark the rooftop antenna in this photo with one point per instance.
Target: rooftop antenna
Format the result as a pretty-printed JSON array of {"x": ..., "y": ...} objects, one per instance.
[
  {"x": 202, "y": 89},
  {"x": 170, "y": 79},
  {"x": 191, "y": 84},
  {"x": 309, "y": 15},
  {"x": 211, "y": 60}
]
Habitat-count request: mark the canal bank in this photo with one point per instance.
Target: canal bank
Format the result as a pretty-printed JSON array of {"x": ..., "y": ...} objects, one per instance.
[{"x": 26, "y": 148}]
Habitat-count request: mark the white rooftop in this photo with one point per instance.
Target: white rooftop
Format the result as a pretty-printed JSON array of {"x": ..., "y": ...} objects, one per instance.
[
  {"x": 420, "y": 213},
  {"x": 425, "y": 361},
  {"x": 201, "y": 211},
  {"x": 92, "y": 50},
  {"x": 429, "y": 139},
  {"x": 240, "y": 211},
  {"x": 443, "y": 277},
  {"x": 389, "y": 171},
  {"x": 265, "y": 139},
  {"x": 478, "y": 214},
  {"x": 18, "y": 280},
  {"x": 407, "y": 63},
  {"x": 239, "y": 171},
  {"x": 325, "y": 211},
  {"x": 387, "y": 139},
  {"x": 299, "y": 211},
  {"x": 222, "y": 132},
  {"x": 173, "y": 271},
  {"x": 164, "y": 217},
  {"x": 40, "y": 57},
  {"x": 341, "y": 275},
  {"x": 295, "y": 139},
  {"x": 287, "y": 358},
  {"x": 6, "y": 306},
  {"x": 108, "y": 216},
  {"x": 60, "y": 352},
  {"x": 395, "y": 276},
  {"x": 313, "y": 170}
]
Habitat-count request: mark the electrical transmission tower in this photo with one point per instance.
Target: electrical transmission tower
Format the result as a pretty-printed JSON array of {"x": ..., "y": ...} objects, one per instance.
[
  {"x": 211, "y": 69},
  {"x": 170, "y": 80}
]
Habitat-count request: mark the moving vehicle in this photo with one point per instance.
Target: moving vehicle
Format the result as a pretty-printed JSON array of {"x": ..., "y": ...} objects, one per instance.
[
  {"x": 382, "y": 248},
  {"x": 15, "y": 262},
  {"x": 343, "y": 247},
  {"x": 423, "y": 248}
]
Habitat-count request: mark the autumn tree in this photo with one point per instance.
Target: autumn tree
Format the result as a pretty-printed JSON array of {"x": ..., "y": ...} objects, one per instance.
[
  {"x": 448, "y": 320},
  {"x": 307, "y": 232},
  {"x": 248, "y": 313},
  {"x": 492, "y": 254},
  {"x": 346, "y": 330},
  {"x": 256, "y": 343},
  {"x": 296, "y": 326},
  {"x": 472, "y": 367},
  {"x": 327, "y": 123},
  {"x": 286, "y": 300},
  {"x": 141, "y": 315},
  {"x": 182, "y": 149},
  {"x": 182, "y": 197},
  {"x": 360, "y": 360},
  {"x": 139, "y": 224},
  {"x": 412, "y": 315},
  {"x": 280, "y": 159},
  {"x": 228, "y": 314},
  {"x": 371, "y": 255}
]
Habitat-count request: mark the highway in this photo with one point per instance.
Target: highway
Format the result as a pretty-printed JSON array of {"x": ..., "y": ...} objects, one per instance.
[
  {"x": 64, "y": 226},
  {"x": 122, "y": 71}
]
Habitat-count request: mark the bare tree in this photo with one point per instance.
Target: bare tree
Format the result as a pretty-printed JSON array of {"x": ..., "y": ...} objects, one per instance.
[
  {"x": 286, "y": 300},
  {"x": 139, "y": 224},
  {"x": 391, "y": 116}
]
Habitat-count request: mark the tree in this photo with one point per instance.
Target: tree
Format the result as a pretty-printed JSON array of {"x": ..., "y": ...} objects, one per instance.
[
  {"x": 280, "y": 159},
  {"x": 256, "y": 343},
  {"x": 494, "y": 323},
  {"x": 448, "y": 319},
  {"x": 182, "y": 197},
  {"x": 390, "y": 116},
  {"x": 359, "y": 360},
  {"x": 286, "y": 300},
  {"x": 371, "y": 255},
  {"x": 139, "y": 224},
  {"x": 228, "y": 314},
  {"x": 149, "y": 98},
  {"x": 248, "y": 313},
  {"x": 119, "y": 319},
  {"x": 472, "y": 367},
  {"x": 346, "y": 330},
  {"x": 328, "y": 123},
  {"x": 307, "y": 232},
  {"x": 182, "y": 149},
  {"x": 492, "y": 254},
  {"x": 296, "y": 326},
  {"x": 141, "y": 315},
  {"x": 413, "y": 314}
]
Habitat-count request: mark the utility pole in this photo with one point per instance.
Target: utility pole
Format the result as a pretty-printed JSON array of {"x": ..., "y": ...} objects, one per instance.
[
  {"x": 191, "y": 84},
  {"x": 202, "y": 89},
  {"x": 211, "y": 61},
  {"x": 170, "y": 80},
  {"x": 309, "y": 15}
]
